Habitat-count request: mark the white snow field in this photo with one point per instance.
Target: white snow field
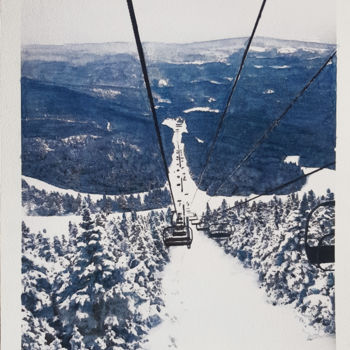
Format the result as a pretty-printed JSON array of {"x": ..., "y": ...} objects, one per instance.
[
  {"x": 201, "y": 109},
  {"x": 53, "y": 225},
  {"x": 58, "y": 225}
]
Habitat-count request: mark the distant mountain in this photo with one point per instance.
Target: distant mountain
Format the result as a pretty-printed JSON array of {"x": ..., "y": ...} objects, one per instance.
[
  {"x": 89, "y": 144},
  {"x": 209, "y": 51},
  {"x": 97, "y": 90}
]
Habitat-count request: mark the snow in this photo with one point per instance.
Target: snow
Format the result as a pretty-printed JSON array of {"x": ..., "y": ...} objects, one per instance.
[
  {"x": 54, "y": 225},
  {"x": 163, "y": 82},
  {"x": 199, "y": 140},
  {"x": 280, "y": 67},
  {"x": 211, "y": 99},
  {"x": 269, "y": 91},
  {"x": 197, "y": 62},
  {"x": 160, "y": 99},
  {"x": 319, "y": 182},
  {"x": 201, "y": 109},
  {"x": 51, "y": 226},
  {"x": 258, "y": 66},
  {"x": 292, "y": 159},
  {"x": 286, "y": 50},
  {"x": 109, "y": 126},
  {"x": 257, "y": 49},
  {"x": 212, "y": 302},
  {"x": 215, "y": 82},
  {"x": 314, "y": 49},
  {"x": 107, "y": 93},
  {"x": 42, "y": 185},
  {"x": 164, "y": 100},
  {"x": 78, "y": 138}
]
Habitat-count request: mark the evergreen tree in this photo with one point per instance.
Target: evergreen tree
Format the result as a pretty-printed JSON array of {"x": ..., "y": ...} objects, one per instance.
[
  {"x": 330, "y": 195},
  {"x": 77, "y": 340}
]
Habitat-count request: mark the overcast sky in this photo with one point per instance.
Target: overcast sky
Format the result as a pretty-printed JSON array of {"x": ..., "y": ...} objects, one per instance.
[{"x": 87, "y": 21}]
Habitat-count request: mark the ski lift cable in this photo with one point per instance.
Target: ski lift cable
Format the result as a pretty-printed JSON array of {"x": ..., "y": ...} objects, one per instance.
[
  {"x": 228, "y": 102},
  {"x": 270, "y": 191},
  {"x": 149, "y": 93},
  {"x": 275, "y": 123}
]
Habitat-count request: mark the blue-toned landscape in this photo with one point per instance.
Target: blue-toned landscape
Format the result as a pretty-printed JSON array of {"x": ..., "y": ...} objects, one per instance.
[
  {"x": 97, "y": 273},
  {"x": 88, "y": 103}
]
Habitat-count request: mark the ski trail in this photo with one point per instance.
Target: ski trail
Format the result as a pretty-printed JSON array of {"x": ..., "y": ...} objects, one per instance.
[{"x": 212, "y": 302}]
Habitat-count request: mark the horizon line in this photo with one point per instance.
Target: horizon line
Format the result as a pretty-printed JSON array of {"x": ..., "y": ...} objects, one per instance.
[{"x": 176, "y": 43}]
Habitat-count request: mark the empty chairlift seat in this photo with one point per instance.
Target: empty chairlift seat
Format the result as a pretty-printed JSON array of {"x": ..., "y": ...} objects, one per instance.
[
  {"x": 320, "y": 235},
  {"x": 201, "y": 226},
  {"x": 220, "y": 230},
  {"x": 194, "y": 219},
  {"x": 178, "y": 234}
]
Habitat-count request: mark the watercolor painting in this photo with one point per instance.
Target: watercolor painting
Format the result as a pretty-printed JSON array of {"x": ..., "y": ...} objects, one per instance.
[{"x": 178, "y": 174}]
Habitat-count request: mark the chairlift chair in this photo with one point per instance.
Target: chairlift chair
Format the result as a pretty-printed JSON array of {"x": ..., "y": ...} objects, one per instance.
[
  {"x": 194, "y": 220},
  {"x": 193, "y": 217},
  {"x": 178, "y": 234},
  {"x": 220, "y": 230},
  {"x": 320, "y": 253},
  {"x": 201, "y": 226}
]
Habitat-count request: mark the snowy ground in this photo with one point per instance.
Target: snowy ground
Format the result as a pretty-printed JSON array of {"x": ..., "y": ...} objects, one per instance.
[
  {"x": 212, "y": 302},
  {"x": 42, "y": 185},
  {"x": 53, "y": 225},
  {"x": 318, "y": 182},
  {"x": 58, "y": 225}
]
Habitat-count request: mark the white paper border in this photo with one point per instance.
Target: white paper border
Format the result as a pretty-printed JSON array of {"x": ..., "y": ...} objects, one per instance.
[{"x": 10, "y": 204}]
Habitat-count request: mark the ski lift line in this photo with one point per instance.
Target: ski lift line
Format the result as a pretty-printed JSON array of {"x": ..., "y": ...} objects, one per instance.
[
  {"x": 275, "y": 123},
  {"x": 228, "y": 102},
  {"x": 149, "y": 92},
  {"x": 267, "y": 192}
]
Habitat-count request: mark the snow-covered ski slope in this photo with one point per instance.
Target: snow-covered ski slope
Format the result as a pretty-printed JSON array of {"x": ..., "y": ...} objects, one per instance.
[
  {"x": 42, "y": 185},
  {"x": 58, "y": 225},
  {"x": 212, "y": 302},
  {"x": 318, "y": 182}
]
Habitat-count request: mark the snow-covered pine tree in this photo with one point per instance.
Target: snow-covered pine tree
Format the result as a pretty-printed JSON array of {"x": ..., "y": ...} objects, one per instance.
[
  {"x": 77, "y": 341},
  {"x": 267, "y": 239}
]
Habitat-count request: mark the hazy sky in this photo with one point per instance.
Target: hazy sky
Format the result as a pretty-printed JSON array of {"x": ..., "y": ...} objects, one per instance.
[{"x": 83, "y": 21}]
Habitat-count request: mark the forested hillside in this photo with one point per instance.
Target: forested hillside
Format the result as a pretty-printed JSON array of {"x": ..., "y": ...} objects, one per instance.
[
  {"x": 44, "y": 203},
  {"x": 268, "y": 238},
  {"x": 98, "y": 288},
  {"x": 85, "y": 111}
]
